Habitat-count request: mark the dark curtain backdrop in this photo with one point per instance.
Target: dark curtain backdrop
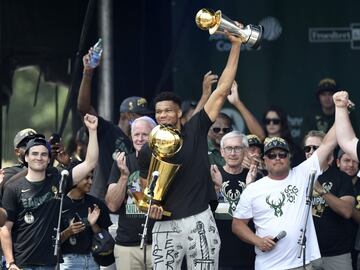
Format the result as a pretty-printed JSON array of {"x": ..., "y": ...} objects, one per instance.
[{"x": 287, "y": 68}]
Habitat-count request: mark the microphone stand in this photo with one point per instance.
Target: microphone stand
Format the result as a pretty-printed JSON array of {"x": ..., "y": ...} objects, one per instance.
[
  {"x": 309, "y": 197},
  {"x": 145, "y": 225},
  {"x": 57, "y": 241},
  {"x": 144, "y": 234}
]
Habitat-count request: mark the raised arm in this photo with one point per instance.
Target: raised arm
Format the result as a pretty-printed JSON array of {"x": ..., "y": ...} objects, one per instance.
[
  {"x": 116, "y": 192},
  {"x": 346, "y": 136},
  {"x": 84, "y": 98},
  {"x": 208, "y": 81},
  {"x": 217, "y": 98},
  {"x": 251, "y": 122},
  {"x": 326, "y": 147},
  {"x": 83, "y": 169}
]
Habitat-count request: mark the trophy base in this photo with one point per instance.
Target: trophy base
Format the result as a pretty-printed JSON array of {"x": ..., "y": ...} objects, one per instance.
[
  {"x": 141, "y": 201},
  {"x": 256, "y": 36}
]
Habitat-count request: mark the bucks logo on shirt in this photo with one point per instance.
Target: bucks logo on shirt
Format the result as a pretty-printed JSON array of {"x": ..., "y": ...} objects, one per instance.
[
  {"x": 277, "y": 202},
  {"x": 319, "y": 203},
  {"x": 132, "y": 210}
]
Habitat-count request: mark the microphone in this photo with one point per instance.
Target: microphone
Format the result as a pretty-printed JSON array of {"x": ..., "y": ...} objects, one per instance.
[
  {"x": 281, "y": 235},
  {"x": 154, "y": 178},
  {"x": 309, "y": 190},
  {"x": 64, "y": 175}
]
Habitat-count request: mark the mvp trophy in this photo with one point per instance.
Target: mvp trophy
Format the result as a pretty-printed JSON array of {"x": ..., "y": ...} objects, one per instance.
[
  {"x": 164, "y": 142},
  {"x": 216, "y": 22}
]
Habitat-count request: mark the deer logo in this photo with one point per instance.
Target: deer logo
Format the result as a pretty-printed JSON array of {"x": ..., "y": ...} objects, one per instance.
[
  {"x": 276, "y": 205},
  {"x": 231, "y": 196}
]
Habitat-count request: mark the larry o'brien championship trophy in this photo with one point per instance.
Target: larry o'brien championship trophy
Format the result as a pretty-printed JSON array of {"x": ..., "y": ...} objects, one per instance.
[
  {"x": 216, "y": 22},
  {"x": 164, "y": 142}
]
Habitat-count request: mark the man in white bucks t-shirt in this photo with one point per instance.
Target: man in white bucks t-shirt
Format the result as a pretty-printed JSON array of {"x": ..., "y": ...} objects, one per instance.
[{"x": 277, "y": 203}]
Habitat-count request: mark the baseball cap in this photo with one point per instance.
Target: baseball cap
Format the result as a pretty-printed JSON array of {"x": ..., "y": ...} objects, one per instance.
[
  {"x": 22, "y": 135},
  {"x": 38, "y": 141},
  {"x": 254, "y": 140},
  {"x": 327, "y": 85},
  {"x": 275, "y": 142},
  {"x": 134, "y": 104}
]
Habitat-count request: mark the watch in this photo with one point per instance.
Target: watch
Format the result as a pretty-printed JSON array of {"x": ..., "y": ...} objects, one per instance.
[{"x": 8, "y": 265}]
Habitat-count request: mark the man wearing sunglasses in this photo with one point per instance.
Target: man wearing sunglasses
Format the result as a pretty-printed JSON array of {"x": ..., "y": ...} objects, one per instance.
[
  {"x": 277, "y": 203},
  {"x": 221, "y": 126},
  {"x": 333, "y": 203},
  {"x": 32, "y": 204}
]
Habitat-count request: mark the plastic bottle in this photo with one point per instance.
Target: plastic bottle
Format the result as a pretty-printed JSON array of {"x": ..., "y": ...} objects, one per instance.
[{"x": 95, "y": 54}]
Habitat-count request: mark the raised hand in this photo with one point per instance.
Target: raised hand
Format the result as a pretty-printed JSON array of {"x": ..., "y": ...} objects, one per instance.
[
  {"x": 234, "y": 39},
  {"x": 341, "y": 99},
  {"x": 121, "y": 163},
  {"x": 208, "y": 81},
  {"x": 58, "y": 150},
  {"x": 93, "y": 215},
  {"x": 234, "y": 94},
  {"x": 216, "y": 177},
  {"x": 91, "y": 121},
  {"x": 251, "y": 175}
]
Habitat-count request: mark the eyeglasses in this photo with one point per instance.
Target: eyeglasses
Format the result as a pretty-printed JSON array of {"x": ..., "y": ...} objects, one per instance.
[
  {"x": 224, "y": 130},
  {"x": 280, "y": 155},
  {"x": 230, "y": 149},
  {"x": 308, "y": 148},
  {"x": 275, "y": 121}
]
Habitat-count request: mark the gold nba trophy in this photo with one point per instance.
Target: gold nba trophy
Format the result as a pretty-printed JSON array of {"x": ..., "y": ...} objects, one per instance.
[
  {"x": 164, "y": 142},
  {"x": 216, "y": 22}
]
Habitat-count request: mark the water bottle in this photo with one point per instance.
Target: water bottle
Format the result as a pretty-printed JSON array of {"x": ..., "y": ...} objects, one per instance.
[{"x": 95, "y": 54}]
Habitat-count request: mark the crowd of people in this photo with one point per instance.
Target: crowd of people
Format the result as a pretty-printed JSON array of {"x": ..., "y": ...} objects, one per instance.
[{"x": 237, "y": 201}]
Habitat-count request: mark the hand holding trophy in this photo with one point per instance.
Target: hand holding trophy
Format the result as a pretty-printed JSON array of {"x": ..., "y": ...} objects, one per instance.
[{"x": 216, "y": 22}]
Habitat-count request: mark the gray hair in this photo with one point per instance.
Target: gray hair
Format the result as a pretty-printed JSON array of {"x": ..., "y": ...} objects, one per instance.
[
  {"x": 234, "y": 134},
  {"x": 145, "y": 119}
]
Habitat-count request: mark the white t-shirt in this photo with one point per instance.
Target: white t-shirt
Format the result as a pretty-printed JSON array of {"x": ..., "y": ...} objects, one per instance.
[{"x": 280, "y": 205}]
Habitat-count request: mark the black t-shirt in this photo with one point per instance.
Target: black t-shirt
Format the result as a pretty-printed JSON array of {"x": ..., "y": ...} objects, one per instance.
[
  {"x": 81, "y": 242},
  {"x": 130, "y": 217},
  {"x": 354, "y": 224},
  {"x": 333, "y": 231},
  {"x": 34, "y": 209},
  {"x": 191, "y": 189},
  {"x": 233, "y": 252},
  {"x": 110, "y": 138}
]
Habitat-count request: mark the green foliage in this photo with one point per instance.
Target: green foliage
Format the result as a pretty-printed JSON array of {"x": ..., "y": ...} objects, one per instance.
[{"x": 23, "y": 114}]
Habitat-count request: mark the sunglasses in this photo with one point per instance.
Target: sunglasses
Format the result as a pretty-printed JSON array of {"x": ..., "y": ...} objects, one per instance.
[
  {"x": 236, "y": 149},
  {"x": 280, "y": 155},
  {"x": 308, "y": 148},
  {"x": 224, "y": 130},
  {"x": 275, "y": 121}
]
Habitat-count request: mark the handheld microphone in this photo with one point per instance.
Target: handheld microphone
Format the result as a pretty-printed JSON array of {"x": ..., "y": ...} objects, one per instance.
[
  {"x": 281, "y": 235},
  {"x": 154, "y": 178},
  {"x": 64, "y": 175}
]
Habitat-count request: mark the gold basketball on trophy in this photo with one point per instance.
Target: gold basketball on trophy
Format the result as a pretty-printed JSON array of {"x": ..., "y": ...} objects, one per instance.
[{"x": 164, "y": 142}]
